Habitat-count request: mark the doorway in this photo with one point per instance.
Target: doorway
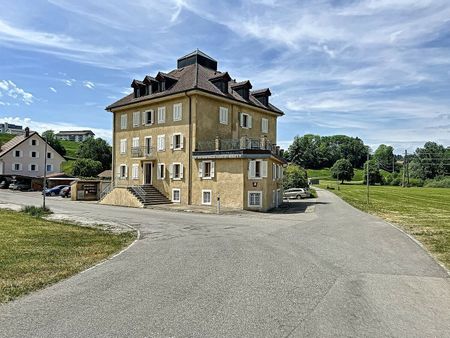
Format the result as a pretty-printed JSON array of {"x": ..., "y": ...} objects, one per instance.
[{"x": 148, "y": 172}]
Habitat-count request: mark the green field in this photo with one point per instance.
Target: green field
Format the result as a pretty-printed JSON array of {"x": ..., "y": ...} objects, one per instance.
[
  {"x": 71, "y": 148},
  {"x": 35, "y": 252},
  {"x": 324, "y": 174},
  {"x": 422, "y": 212},
  {"x": 5, "y": 138}
]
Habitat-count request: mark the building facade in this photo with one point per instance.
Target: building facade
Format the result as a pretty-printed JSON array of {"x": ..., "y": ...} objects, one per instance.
[
  {"x": 25, "y": 156},
  {"x": 75, "y": 135},
  {"x": 197, "y": 137},
  {"x": 8, "y": 128}
]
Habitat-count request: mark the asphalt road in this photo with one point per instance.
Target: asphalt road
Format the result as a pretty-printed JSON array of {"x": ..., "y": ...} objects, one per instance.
[{"x": 332, "y": 271}]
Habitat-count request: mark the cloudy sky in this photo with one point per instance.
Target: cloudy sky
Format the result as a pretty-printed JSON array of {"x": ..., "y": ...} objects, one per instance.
[{"x": 377, "y": 69}]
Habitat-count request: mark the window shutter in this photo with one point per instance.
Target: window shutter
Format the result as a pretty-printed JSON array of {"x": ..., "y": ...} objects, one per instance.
[
  {"x": 274, "y": 171},
  {"x": 212, "y": 169},
  {"x": 181, "y": 141},
  {"x": 163, "y": 171},
  {"x": 126, "y": 171},
  {"x": 251, "y": 169},
  {"x": 172, "y": 141},
  {"x": 249, "y": 121},
  {"x": 263, "y": 168},
  {"x": 152, "y": 116},
  {"x": 241, "y": 119},
  {"x": 144, "y": 117},
  {"x": 171, "y": 170},
  {"x": 200, "y": 169},
  {"x": 181, "y": 171}
]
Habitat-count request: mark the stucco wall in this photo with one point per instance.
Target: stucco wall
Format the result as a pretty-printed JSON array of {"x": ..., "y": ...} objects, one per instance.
[{"x": 121, "y": 196}]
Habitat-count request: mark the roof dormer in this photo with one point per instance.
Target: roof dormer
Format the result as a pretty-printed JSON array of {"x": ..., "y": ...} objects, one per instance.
[
  {"x": 221, "y": 81},
  {"x": 197, "y": 57},
  {"x": 139, "y": 88},
  {"x": 151, "y": 83},
  {"x": 242, "y": 88},
  {"x": 262, "y": 95},
  {"x": 165, "y": 81}
]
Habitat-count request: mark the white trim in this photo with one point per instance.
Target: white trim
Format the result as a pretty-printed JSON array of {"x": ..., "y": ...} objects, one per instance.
[
  {"x": 161, "y": 115},
  {"x": 123, "y": 146},
  {"x": 135, "y": 171},
  {"x": 180, "y": 171},
  {"x": 264, "y": 125},
  {"x": 177, "y": 112},
  {"x": 20, "y": 153},
  {"x": 13, "y": 167},
  {"x": 160, "y": 171},
  {"x": 172, "y": 144},
  {"x": 161, "y": 146},
  {"x": 136, "y": 119},
  {"x": 223, "y": 115},
  {"x": 123, "y": 121},
  {"x": 248, "y": 120},
  {"x": 135, "y": 142},
  {"x": 260, "y": 199},
  {"x": 179, "y": 195},
  {"x": 203, "y": 196}
]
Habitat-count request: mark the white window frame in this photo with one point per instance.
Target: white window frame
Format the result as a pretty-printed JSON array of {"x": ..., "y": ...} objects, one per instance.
[
  {"x": 123, "y": 121},
  {"x": 135, "y": 171},
  {"x": 13, "y": 167},
  {"x": 262, "y": 169},
  {"x": 145, "y": 117},
  {"x": 264, "y": 125},
  {"x": 223, "y": 115},
  {"x": 135, "y": 142},
  {"x": 161, "y": 146},
  {"x": 177, "y": 112},
  {"x": 172, "y": 171},
  {"x": 51, "y": 168},
  {"x": 249, "y": 199},
  {"x": 125, "y": 176},
  {"x": 161, "y": 171},
  {"x": 20, "y": 153},
  {"x": 248, "y": 119},
  {"x": 161, "y": 114},
  {"x": 173, "y": 144},
  {"x": 203, "y": 196},
  {"x": 123, "y": 146},
  {"x": 202, "y": 171},
  {"x": 136, "y": 119},
  {"x": 179, "y": 195}
]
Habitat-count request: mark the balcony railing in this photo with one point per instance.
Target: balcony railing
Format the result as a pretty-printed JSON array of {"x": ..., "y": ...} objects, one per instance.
[
  {"x": 142, "y": 152},
  {"x": 242, "y": 143}
]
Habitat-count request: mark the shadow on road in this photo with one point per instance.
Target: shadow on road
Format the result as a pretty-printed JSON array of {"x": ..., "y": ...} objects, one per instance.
[{"x": 296, "y": 206}]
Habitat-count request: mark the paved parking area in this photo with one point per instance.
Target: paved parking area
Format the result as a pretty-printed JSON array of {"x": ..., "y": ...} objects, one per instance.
[{"x": 324, "y": 269}]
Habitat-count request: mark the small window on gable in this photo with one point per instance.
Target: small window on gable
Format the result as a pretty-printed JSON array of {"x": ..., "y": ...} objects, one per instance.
[
  {"x": 49, "y": 155},
  {"x": 223, "y": 115},
  {"x": 34, "y": 142},
  {"x": 17, "y": 153},
  {"x": 49, "y": 168}
]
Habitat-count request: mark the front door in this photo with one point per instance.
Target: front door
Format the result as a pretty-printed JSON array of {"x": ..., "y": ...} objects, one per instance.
[{"x": 147, "y": 173}]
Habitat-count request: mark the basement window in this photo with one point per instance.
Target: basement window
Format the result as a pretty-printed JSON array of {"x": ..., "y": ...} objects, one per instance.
[{"x": 176, "y": 195}]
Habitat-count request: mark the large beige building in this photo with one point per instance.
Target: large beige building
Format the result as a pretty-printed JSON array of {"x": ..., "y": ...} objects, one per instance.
[{"x": 194, "y": 136}]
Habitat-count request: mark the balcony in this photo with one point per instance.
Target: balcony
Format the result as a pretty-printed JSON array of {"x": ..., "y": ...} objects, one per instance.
[
  {"x": 143, "y": 152},
  {"x": 243, "y": 144}
]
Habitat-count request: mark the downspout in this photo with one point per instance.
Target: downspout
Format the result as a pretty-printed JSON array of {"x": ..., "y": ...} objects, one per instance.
[{"x": 189, "y": 150}]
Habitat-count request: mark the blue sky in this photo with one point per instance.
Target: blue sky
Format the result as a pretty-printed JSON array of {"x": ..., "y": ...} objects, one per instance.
[{"x": 376, "y": 69}]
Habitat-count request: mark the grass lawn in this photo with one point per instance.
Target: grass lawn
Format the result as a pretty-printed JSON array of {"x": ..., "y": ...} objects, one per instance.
[
  {"x": 324, "y": 174},
  {"x": 35, "y": 252},
  {"x": 422, "y": 212},
  {"x": 71, "y": 148},
  {"x": 5, "y": 138}
]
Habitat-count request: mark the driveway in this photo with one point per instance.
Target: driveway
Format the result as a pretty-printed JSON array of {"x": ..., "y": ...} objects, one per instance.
[{"x": 330, "y": 271}]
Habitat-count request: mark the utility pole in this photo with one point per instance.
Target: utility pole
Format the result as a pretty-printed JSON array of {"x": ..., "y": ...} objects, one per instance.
[
  {"x": 45, "y": 175},
  {"x": 393, "y": 164},
  {"x": 367, "y": 178},
  {"x": 405, "y": 165}
]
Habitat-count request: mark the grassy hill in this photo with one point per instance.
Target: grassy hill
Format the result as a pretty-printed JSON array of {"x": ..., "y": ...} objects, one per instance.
[
  {"x": 71, "y": 155},
  {"x": 325, "y": 175},
  {"x": 5, "y": 138}
]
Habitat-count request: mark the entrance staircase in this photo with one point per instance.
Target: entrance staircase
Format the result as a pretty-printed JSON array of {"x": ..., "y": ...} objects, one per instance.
[{"x": 148, "y": 195}]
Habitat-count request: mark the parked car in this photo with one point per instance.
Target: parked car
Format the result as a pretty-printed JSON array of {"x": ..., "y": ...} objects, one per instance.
[
  {"x": 4, "y": 184},
  {"x": 297, "y": 193},
  {"x": 22, "y": 186},
  {"x": 65, "y": 192},
  {"x": 54, "y": 191}
]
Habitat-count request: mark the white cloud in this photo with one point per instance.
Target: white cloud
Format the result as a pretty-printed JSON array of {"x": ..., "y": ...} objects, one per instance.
[
  {"x": 88, "y": 84},
  {"x": 127, "y": 91},
  {"x": 69, "y": 82},
  {"x": 52, "y": 89},
  {"x": 10, "y": 88}
]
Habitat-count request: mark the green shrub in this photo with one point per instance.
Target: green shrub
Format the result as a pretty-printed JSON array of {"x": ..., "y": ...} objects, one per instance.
[
  {"x": 295, "y": 177},
  {"x": 415, "y": 182},
  {"x": 36, "y": 211},
  {"x": 441, "y": 182}
]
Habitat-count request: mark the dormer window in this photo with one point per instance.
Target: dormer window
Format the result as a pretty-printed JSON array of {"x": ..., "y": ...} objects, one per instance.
[
  {"x": 221, "y": 82},
  {"x": 242, "y": 88},
  {"x": 262, "y": 95},
  {"x": 162, "y": 86}
]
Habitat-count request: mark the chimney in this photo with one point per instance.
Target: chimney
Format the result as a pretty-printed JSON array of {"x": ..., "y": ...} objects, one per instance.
[{"x": 27, "y": 132}]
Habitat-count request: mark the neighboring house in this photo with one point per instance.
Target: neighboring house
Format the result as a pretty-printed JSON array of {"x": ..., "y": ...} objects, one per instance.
[
  {"x": 24, "y": 156},
  {"x": 195, "y": 135},
  {"x": 75, "y": 135},
  {"x": 8, "y": 128}
]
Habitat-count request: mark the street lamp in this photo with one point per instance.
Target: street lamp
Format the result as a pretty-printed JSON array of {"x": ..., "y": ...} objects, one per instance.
[{"x": 44, "y": 193}]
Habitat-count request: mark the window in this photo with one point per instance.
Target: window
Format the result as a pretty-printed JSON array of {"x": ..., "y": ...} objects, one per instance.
[
  {"x": 148, "y": 145},
  {"x": 135, "y": 171},
  {"x": 34, "y": 154},
  {"x": 49, "y": 155},
  {"x": 136, "y": 119},
  {"x": 148, "y": 117},
  {"x": 223, "y": 115},
  {"x": 176, "y": 195},
  {"x": 177, "y": 112},
  {"x": 257, "y": 169},
  {"x": 135, "y": 142},
  {"x": 274, "y": 171},
  {"x": 161, "y": 142},
  {"x": 161, "y": 171},
  {"x": 245, "y": 120},
  {"x": 49, "y": 168},
  {"x": 123, "y": 146},
  {"x": 17, "y": 166},
  {"x": 206, "y": 169},
  {"x": 17, "y": 153},
  {"x": 264, "y": 125},
  {"x": 206, "y": 197},
  {"x": 123, "y": 171},
  {"x": 255, "y": 199},
  {"x": 135, "y": 148},
  {"x": 176, "y": 171},
  {"x": 123, "y": 121},
  {"x": 177, "y": 141},
  {"x": 34, "y": 142},
  {"x": 161, "y": 114},
  {"x": 33, "y": 167}
]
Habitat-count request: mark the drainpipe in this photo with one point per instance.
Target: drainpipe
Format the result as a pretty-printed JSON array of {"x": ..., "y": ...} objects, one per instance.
[{"x": 190, "y": 150}]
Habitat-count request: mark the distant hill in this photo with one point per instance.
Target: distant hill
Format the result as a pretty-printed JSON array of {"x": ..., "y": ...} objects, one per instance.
[{"x": 71, "y": 155}]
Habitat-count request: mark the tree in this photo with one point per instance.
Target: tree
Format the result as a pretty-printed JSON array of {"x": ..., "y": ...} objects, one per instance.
[
  {"x": 96, "y": 149},
  {"x": 305, "y": 151},
  {"x": 374, "y": 173},
  {"x": 384, "y": 155},
  {"x": 431, "y": 161},
  {"x": 86, "y": 167},
  {"x": 50, "y": 137},
  {"x": 342, "y": 170},
  {"x": 294, "y": 177}
]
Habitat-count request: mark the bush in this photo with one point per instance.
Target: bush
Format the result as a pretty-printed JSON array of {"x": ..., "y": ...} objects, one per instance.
[
  {"x": 36, "y": 211},
  {"x": 442, "y": 182},
  {"x": 415, "y": 182},
  {"x": 295, "y": 177},
  {"x": 85, "y": 167}
]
